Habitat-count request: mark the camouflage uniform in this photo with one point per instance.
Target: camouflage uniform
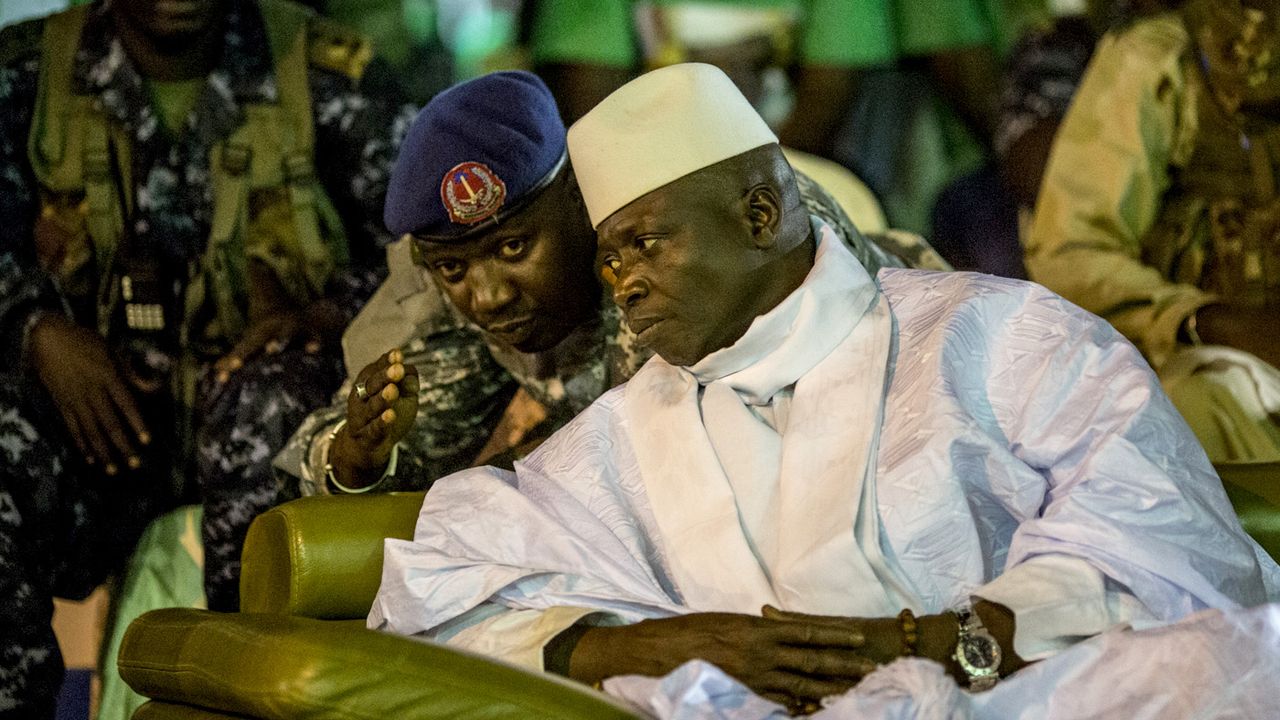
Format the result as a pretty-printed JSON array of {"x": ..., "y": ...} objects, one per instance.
[
  {"x": 467, "y": 380},
  {"x": 53, "y": 510}
]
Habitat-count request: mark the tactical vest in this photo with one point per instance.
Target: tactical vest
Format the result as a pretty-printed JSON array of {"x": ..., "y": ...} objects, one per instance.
[
  {"x": 1219, "y": 228},
  {"x": 267, "y": 202}
]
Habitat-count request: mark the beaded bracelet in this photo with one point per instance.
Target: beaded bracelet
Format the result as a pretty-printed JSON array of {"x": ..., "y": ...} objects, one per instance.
[{"x": 910, "y": 634}]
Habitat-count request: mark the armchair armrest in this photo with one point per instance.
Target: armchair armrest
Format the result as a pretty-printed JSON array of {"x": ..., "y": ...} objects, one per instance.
[
  {"x": 321, "y": 557},
  {"x": 287, "y": 668}
]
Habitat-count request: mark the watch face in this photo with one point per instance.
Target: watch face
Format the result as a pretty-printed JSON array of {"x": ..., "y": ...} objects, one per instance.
[{"x": 980, "y": 652}]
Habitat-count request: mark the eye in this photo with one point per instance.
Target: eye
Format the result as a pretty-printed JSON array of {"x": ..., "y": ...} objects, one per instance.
[
  {"x": 644, "y": 242},
  {"x": 449, "y": 270},
  {"x": 609, "y": 270},
  {"x": 513, "y": 248}
]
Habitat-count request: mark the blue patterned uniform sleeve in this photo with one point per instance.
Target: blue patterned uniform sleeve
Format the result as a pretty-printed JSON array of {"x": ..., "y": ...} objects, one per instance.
[
  {"x": 24, "y": 286},
  {"x": 358, "y": 129}
]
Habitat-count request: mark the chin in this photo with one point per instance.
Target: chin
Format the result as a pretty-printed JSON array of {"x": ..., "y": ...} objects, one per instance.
[
  {"x": 675, "y": 347},
  {"x": 540, "y": 341},
  {"x": 677, "y": 356}
]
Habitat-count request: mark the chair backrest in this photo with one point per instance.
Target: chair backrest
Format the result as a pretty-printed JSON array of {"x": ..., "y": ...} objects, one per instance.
[{"x": 321, "y": 557}]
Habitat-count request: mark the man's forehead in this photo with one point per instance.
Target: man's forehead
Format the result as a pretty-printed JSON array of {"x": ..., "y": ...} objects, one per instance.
[
  {"x": 478, "y": 244},
  {"x": 636, "y": 215},
  {"x": 705, "y": 189}
]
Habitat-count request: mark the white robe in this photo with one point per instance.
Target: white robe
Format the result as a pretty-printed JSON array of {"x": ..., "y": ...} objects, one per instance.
[{"x": 1027, "y": 456}]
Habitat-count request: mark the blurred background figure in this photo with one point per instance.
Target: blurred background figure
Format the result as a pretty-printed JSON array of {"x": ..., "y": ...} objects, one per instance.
[
  {"x": 978, "y": 220},
  {"x": 1159, "y": 211},
  {"x": 905, "y": 93}
]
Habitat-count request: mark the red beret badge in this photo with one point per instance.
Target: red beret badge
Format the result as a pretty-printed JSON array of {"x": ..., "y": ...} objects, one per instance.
[{"x": 472, "y": 192}]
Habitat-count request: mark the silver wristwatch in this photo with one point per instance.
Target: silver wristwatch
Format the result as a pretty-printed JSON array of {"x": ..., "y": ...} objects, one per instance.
[{"x": 977, "y": 651}]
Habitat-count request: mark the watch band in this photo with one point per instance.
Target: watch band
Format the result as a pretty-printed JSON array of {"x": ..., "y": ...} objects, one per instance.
[{"x": 977, "y": 652}]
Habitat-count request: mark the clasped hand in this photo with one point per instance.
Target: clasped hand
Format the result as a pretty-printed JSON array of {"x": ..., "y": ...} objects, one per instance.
[{"x": 793, "y": 659}]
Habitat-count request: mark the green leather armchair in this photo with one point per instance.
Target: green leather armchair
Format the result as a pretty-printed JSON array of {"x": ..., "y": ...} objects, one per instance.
[
  {"x": 300, "y": 648},
  {"x": 1254, "y": 490}
]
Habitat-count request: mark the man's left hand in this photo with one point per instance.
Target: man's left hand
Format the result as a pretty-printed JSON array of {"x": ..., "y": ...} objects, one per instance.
[{"x": 938, "y": 635}]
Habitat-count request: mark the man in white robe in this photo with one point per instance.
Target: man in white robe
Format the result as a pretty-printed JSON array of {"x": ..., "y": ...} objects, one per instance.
[{"x": 814, "y": 442}]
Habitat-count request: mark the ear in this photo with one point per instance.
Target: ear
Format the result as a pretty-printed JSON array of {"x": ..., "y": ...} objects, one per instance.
[{"x": 764, "y": 214}]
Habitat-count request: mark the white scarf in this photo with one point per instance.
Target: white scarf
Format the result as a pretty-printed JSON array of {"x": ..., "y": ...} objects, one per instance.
[{"x": 753, "y": 515}]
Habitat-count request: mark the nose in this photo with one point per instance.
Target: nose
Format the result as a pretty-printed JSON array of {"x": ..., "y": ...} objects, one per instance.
[
  {"x": 629, "y": 289},
  {"x": 491, "y": 290}
]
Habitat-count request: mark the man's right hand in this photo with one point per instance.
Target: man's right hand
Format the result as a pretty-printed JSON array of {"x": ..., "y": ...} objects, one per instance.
[
  {"x": 376, "y": 421},
  {"x": 784, "y": 660},
  {"x": 74, "y": 364}
]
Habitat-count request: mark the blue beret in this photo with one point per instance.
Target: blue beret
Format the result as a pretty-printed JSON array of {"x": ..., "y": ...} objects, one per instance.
[{"x": 476, "y": 153}]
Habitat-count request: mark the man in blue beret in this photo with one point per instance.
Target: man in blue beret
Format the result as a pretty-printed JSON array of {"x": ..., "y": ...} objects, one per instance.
[{"x": 495, "y": 292}]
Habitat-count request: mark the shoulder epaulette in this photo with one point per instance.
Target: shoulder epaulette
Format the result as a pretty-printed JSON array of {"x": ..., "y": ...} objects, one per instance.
[
  {"x": 21, "y": 40},
  {"x": 337, "y": 48}
]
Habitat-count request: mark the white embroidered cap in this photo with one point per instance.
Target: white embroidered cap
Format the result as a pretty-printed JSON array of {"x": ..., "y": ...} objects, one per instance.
[{"x": 658, "y": 128}]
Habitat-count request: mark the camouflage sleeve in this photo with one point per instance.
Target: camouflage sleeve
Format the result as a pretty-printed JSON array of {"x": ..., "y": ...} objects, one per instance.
[
  {"x": 359, "y": 127},
  {"x": 461, "y": 397},
  {"x": 908, "y": 250},
  {"x": 25, "y": 288},
  {"x": 824, "y": 207},
  {"x": 891, "y": 248}
]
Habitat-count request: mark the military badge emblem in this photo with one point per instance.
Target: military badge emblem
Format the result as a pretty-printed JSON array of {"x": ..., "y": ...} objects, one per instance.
[{"x": 472, "y": 192}]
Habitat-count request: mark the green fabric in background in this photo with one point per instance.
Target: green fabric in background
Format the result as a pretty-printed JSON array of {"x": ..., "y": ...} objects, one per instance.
[
  {"x": 593, "y": 32},
  {"x": 601, "y": 32},
  {"x": 850, "y": 33},
  {"x": 924, "y": 26},
  {"x": 166, "y": 570}
]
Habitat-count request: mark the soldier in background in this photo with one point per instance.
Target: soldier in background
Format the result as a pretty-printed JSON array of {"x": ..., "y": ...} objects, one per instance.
[
  {"x": 191, "y": 197},
  {"x": 1174, "y": 238}
]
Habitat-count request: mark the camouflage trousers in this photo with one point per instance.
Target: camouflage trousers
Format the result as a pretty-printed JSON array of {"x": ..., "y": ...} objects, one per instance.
[
  {"x": 243, "y": 424},
  {"x": 65, "y": 526}
]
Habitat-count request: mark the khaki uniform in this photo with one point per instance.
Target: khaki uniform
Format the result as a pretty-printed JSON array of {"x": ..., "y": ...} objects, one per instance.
[{"x": 1155, "y": 203}]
